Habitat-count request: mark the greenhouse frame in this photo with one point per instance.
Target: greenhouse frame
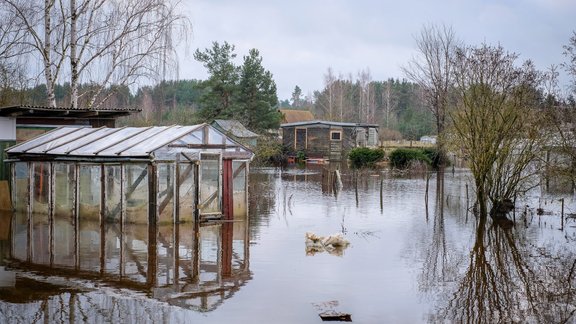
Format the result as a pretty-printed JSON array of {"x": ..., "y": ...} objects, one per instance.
[{"x": 138, "y": 175}]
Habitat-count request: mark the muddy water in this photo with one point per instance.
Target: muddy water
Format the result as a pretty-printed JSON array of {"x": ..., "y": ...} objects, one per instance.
[{"x": 416, "y": 254}]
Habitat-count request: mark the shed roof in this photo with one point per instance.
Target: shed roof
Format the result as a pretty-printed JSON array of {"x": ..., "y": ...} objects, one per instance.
[
  {"x": 158, "y": 142},
  {"x": 235, "y": 128},
  {"x": 64, "y": 112},
  {"x": 328, "y": 123},
  {"x": 293, "y": 115}
]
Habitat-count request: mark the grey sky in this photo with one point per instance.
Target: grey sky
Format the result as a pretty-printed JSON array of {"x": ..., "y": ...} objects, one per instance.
[{"x": 299, "y": 40}]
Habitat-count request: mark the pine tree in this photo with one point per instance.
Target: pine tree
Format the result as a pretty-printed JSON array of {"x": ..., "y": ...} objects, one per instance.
[{"x": 257, "y": 97}]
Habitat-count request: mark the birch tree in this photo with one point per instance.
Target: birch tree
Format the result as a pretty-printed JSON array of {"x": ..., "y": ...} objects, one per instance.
[{"x": 102, "y": 43}]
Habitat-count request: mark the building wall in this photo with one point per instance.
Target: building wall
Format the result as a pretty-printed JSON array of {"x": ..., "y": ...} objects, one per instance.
[
  {"x": 7, "y": 129},
  {"x": 7, "y": 139}
]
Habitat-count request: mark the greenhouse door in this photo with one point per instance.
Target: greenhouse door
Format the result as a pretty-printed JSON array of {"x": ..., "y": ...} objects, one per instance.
[{"x": 209, "y": 186}]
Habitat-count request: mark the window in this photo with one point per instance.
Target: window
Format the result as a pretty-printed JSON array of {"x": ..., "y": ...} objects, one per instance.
[{"x": 336, "y": 135}]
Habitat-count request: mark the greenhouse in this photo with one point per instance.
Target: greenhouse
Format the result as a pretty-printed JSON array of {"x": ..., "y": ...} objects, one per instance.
[{"x": 140, "y": 175}]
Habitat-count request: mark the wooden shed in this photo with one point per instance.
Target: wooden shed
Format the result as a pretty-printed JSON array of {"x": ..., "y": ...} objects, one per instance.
[{"x": 326, "y": 139}]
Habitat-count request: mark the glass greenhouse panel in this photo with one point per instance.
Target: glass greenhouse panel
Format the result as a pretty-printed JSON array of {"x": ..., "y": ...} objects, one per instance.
[
  {"x": 113, "y": 138},
  {"x": 43, "y": 139},
  {"x": 239, "y": 188},
  {"x": 186, "y": 192},
  {"x": 89, "y": 196},
  {"x": 62, "y": 141},
  {"x": 40, "y": 188},
  {"x": 127, "y": 143},
  {"x": 20, "y": 187},
  {"x": 113, "y": 193},
  {"x": 77, "y": 139},
  {"x": 215, "y": 137},
  {"x": 136, "y": 193},
  {"x": 165, "y": 194},
  {"x": 209, "y": 184},
  {"x": 161, "y": 139},
  {"x": 63, "y": 216}
]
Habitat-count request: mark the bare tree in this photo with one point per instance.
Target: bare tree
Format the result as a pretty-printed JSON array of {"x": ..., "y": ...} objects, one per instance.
[
  {"x": 367, "y": 99},
  {"x": 329, "y": 83},
  {"x": 495, "y": 124},
  {"x": 12, "y": 67},
  {"x": 570, "y": 64},
  {"x": 432, "y": 71},
  {"x": 105, "y": 42},
  {"x": 389, "y": 100}
]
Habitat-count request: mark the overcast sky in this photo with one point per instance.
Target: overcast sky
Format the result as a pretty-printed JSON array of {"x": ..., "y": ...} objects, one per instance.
[{"x": 299, "y": 40}]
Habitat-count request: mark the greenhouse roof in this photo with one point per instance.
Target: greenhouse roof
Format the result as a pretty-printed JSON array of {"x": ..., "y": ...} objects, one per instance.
[{"x": 160, "y": 142}]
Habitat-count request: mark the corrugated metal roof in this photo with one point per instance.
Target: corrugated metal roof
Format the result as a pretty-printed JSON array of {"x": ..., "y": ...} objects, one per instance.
[
  {"x": 127, "y": 141},
  {"x": 29, "y": 111},
  {"x": 330, "y": 123}
]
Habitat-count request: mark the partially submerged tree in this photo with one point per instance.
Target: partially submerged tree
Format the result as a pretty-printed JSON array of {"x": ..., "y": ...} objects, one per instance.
[
  {"x": 495, "y": 124},
  {"x": 432, "y": 71},
  {"x": 98, "y": 42}
]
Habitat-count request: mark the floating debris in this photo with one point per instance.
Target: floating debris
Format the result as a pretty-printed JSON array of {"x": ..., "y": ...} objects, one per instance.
[
  {"x": 333, "y": 244},
  {"x": 335, "y": 316},
  {"x": 328, "y": 313}
]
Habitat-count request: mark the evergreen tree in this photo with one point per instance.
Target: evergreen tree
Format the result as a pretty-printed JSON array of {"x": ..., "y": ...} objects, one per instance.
[
  {"x": 296, "y": 100},
  {"x": 221, "y": 87},
  {"x": 257, "y": 102}
]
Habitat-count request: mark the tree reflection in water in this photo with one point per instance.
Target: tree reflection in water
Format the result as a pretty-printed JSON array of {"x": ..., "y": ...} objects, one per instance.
[{"x": 508, "y": 278}]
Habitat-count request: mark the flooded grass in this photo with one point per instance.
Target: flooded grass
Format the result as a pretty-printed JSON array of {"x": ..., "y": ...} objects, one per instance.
[{"x": 416, "y": 254}]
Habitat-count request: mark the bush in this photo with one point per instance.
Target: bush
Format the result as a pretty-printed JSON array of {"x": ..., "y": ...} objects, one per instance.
[
  {"x": 269, "y": 152},
  {"x": 364, "y": 157},
  {"x": 402, "y": 158}
]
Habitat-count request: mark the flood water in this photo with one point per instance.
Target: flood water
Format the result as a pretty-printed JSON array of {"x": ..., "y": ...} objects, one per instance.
[{"x": 417, "y": 254}]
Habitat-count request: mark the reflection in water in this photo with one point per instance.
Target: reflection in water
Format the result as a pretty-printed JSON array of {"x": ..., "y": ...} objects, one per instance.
[
  {"x": 513, "y": 282},
  {"x": 507, "y": 278},
  {"x": 409, "y": 260},
  {"x": 192, "y": 265}
]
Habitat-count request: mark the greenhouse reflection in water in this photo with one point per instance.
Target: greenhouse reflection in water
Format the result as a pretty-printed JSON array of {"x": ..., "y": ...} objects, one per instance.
[{"x": 191, "y": 264}]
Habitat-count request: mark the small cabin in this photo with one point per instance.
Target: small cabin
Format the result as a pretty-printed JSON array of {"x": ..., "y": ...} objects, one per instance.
[{"x": 326, "y": 139}]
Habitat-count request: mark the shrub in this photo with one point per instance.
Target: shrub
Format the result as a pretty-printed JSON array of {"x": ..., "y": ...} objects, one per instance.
[
  {"x": 269, "y": 152},
  {"x": 362, "y": 156},
  {"x": 402, "y": 158}
]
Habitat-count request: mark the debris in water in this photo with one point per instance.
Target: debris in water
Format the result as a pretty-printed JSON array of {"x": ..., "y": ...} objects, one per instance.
[
  {"x": 333, "y": 244},
  {"x": 335, "y": 316},
  {"x": 328, "y": 312}
]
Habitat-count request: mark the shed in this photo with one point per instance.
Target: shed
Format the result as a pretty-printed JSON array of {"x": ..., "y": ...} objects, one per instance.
[
  {"x": 143, "y": 175},
  {"x": 237, "y": 131},
  {"x": 326, "y": 139}
]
